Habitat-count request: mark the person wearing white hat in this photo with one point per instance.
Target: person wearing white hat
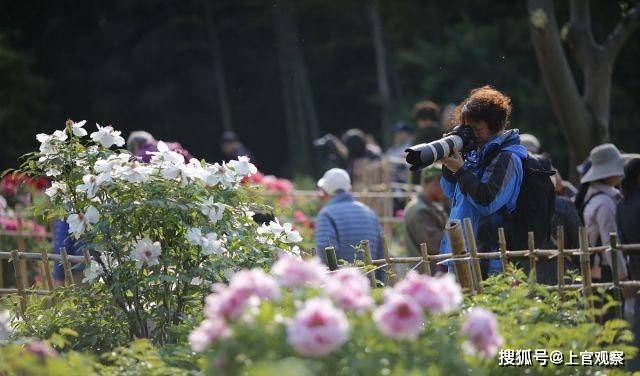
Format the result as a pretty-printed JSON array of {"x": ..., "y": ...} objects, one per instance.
[
  {"x": 530, "y": 142},
  {"x": 598, "y": 198},
  {"x": 343, "y": 222}
]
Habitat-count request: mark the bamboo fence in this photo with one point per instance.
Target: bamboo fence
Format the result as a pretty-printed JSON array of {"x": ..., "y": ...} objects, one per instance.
[{"x": 466, "y": 261}]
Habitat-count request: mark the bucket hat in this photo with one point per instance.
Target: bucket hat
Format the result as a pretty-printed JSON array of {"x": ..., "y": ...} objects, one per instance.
[{"x": 606, "y": 161}]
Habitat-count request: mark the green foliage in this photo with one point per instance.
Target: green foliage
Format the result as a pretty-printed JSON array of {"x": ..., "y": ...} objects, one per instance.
[
  {"x": 529, "y": 317},
  {"x": 138, "y": 358}
]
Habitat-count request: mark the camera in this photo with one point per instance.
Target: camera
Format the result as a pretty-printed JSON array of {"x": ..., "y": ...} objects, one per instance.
[{"x": 460, "y": 139}]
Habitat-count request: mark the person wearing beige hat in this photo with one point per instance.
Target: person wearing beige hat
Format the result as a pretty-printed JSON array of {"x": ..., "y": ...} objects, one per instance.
[{"x": 598, "y": 198}]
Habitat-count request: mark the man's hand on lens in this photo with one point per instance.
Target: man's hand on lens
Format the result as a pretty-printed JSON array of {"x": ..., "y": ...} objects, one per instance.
[{"x": 453, "y": 162}]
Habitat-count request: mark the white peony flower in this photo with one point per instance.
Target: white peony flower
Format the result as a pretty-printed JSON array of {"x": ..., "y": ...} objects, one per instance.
[
  {"x": 133, "y": 172},
  {"x": 274, "y": 227},
  {"x": 194, "y": 236},
  {"x": 77, "y": 129},
  {"x": 108, "y": 165},
  {"x": 147, "y": 252},
  {"x": 89, "y": 186},
  {"x": 243, "y": 167},
  {"x": 92, "y": 272},
  {"x": 47, "y": 145},
  {"x": 213, "y": 210},
  {"x": 164, "y": 154},
  {"x": 219, "y": 174},
  {"x": 53, "y": 172},
  {"x": 79, "y": 223},
  {"x": 107, "y": 136},
  {"x": 5, "y": 324},
  {"x": 55, "y": 189},
  {"x": 290, "y": 235},
  {"x": 211, "y": 245}
]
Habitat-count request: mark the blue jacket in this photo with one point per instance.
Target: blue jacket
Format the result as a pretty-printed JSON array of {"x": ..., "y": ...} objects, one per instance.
[
  {"x": 483, "y": 194},
  {"x": 61, "y": 238},
  {"x": 343, "y": 223}
]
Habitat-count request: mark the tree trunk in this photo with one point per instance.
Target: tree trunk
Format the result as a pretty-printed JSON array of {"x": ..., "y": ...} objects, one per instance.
[
  {"x": 384, "y": 90},
  {"x": 574, "y": 119},
  {"x": 300, "y": 114},
  {"x": 218, "y": 68},
  {"x": 583, "y": 118}
]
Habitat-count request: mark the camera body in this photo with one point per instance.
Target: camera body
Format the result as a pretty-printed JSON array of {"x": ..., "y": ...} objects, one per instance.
[{"x": 460, "y": 139}]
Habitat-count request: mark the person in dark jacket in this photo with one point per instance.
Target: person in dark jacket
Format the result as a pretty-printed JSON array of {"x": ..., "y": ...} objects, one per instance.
[
  {"x": 485, "y": 194},
  {"x": 140, "y": 143},
  {"x": 62, "y": 238},
  {"x": 232, "y": 148}
]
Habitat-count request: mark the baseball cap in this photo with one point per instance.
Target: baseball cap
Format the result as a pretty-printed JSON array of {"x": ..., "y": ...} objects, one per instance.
[{"x": 334, "y": 180}]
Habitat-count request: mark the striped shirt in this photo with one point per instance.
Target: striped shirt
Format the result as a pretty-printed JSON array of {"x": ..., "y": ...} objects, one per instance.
[{"x": 343, "y": 223}]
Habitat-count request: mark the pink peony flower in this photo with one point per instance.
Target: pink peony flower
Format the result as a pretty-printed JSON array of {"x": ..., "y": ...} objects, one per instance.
[
  {"x": 225, "y": 302},
  {"x": 209, "y": 331},
  {"x": 294, "y": 271},
  {"x": 400, "y": 317},
  {"x": 284, "y": 186},
  {"x": 350, "y": 289},
  {"x": 42, "y": 349},
  {"x": 301, "y": 218},
  {"x": 318, "y": 328},
  {"x": 255, "y": 282},
  {"x": 270, "y": 182},
  {"x": 437, "y": 294},
  {"x": 481, "y": 327}
]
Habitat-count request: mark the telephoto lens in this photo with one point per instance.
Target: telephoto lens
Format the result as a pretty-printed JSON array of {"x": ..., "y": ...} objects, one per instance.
[{"x": 420, "y": 156}]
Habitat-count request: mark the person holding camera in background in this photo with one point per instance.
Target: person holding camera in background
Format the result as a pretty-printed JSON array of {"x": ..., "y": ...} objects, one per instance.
[{"x": 485, "y": 186}]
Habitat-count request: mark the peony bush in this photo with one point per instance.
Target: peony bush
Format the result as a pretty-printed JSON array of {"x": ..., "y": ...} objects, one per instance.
[
  {"x": 160, "y": 234},
  {"x": 334, "y": 318}
]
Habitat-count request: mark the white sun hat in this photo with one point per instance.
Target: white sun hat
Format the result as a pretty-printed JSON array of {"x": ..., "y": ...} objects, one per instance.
[
  {"x": 606, "y": 161},
  {"x": 530, "y": 142},
  {"x": 334, "y": 180}
]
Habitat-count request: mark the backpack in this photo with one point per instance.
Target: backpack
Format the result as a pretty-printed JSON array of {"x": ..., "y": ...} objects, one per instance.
[{"x": 535, "y": 206}]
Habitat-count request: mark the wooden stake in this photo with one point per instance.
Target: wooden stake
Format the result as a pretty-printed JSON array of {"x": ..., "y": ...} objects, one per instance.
[
  {"x": 532, "y": 258},
  {"x": 585, "y": 267},
  {"x": 68, "y": 277},
  {"x": 426, "y": 266},
  {"x": 502, "y": 242},
  {"x": 332, "y": 259},
  {"x": 366, "y": 256},
  {"x": 456, "y": 241},
  {"x": 19, "y": 281},
  {"x": 560, "y": 275},
  {"x": 385, "y": 249},
  {"x": 473, "y": 249},
  {"x": 47, "y": 269},
  {"x": 613, "y": 243}
]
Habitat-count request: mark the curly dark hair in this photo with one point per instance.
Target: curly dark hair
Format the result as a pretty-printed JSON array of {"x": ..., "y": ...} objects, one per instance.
[
  {"x": 488, "y": 104},
  {"x": 426, "y": 110}
]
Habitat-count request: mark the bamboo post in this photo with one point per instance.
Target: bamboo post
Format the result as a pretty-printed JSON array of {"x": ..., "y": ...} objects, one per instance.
[
  {"x": 473, "y": 249},
  {"x": 313, "y": 252},
  {"x": 332, "y": 259},
  {"x": 385, "y": 249},
  {"x": 68, "y": 278},
  {"x": 22, "y": 245},
  {"x": 1, "y": 268},
  {"x": 456, "y": 241},
  {"x": 426, "y": 267},
  {"x": 532, "y": 258},
  {"x": 366, "y": 255},
  {"x": 585, "y": 267},
  {"x": 502, "y": 242},
  {"x": 560, "y": 275},
  {"x": 47, "y": 269},
  {"x": 15, "y": 256},
  {"x": 613, "y": 243}
]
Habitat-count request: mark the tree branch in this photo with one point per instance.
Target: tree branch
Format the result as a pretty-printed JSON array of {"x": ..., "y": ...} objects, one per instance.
[
  {"x": 579, "y": 37},
  {"x": 618, "y": 37},
  {"x": 566, "y": 100}
]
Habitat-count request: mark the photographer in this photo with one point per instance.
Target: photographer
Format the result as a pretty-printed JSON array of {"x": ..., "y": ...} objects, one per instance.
[{"x": 485, "y": 185}]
